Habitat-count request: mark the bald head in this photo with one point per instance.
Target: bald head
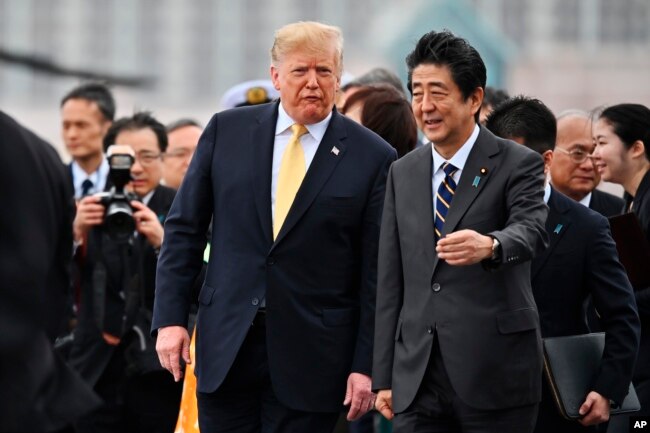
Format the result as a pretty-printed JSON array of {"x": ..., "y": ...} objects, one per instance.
[{"x": 573, "y": 179}]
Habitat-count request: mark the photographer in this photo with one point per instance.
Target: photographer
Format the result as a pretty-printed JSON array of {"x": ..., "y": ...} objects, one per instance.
[{"x": 122, "y": 230}]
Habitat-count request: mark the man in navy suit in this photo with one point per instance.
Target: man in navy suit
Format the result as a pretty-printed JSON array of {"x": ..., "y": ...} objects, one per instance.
[
  {"x": 295, "y": 192},
  {"x": 87, "y": 111},
  {"x": 572, "y": 171},
  {"x": 580, "y": 261}
]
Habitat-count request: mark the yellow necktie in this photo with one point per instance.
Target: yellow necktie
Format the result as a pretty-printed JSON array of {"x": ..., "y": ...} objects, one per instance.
[{"x": 292, "y": 172}]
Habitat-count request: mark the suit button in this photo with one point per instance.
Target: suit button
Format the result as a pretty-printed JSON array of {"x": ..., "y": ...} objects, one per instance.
[
  {"x": 270, "y": 261},
  {"x": 255, "y": 301},
  {"x": 429, "y": 330},
  {"x": 435, "y": 287}
]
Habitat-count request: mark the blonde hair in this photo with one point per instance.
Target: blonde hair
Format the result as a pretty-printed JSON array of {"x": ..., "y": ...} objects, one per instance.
[{"x": 310, "y": 36}]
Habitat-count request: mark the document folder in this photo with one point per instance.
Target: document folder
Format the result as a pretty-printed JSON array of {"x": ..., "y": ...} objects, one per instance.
[{"x": 571, "y": 365}]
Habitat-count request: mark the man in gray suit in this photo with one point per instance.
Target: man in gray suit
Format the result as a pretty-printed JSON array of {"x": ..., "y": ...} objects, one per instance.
[{"x": 457, "y": 343}]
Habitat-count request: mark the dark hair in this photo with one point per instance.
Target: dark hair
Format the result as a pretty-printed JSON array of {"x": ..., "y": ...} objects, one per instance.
[
  {"x": 446, "y": 49},
  {"x": 376, "y": 76},
  {"x": 140, "y": 120},
  {"x": 494, "y": 96},
  {"x": 527, "y": 118},
  {"x": 182, "y": 123},
  {"x": 97, "y": 93},
  {"x": 631, "y": 122},
  {"x": 386, "y": 112}
]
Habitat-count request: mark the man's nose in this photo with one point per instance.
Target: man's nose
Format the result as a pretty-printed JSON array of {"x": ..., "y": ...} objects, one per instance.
[
  {"x": 312, "y": 79},
  {"x": 428, "y": 103}
]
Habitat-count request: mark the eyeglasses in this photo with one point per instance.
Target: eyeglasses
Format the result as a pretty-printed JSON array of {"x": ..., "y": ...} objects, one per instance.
[
  {"x": 147, "y": 158},
  {"x": 576, "y": 155},
  {"x": 179, "y": 153}
]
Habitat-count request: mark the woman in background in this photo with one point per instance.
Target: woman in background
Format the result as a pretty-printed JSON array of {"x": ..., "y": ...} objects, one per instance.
[
  {"x": 622, "y": 155},
  {"x": 385, "y": 111}
]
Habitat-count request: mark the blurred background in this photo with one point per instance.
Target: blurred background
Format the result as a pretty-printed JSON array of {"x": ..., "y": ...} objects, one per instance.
[{"x": 177, "y": 58}]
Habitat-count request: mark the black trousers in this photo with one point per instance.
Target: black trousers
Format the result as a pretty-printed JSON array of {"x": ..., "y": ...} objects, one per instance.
[
  {"x": 245, "y": 401},
  {"x": 438, "y": 409},
  {"x": 143, "y": 404}
]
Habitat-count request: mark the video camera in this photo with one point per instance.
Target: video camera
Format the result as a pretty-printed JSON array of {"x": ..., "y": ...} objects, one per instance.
[{"x": 118, "y": 217}]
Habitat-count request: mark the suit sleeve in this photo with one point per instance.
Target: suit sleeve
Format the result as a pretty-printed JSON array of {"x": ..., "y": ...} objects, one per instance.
[
  {"x": 524, "y": 234},
  {"x": 362, "y": 361},
  {"x": 390, "y": 288},
  {"x": 181, "y": 255},
  {"x": 614, "y": 299}
]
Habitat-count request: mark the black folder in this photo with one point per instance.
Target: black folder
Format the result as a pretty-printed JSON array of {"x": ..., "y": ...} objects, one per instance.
[
  {"x": 633, "y": 249},
  {"x": 571, "y": 365}
]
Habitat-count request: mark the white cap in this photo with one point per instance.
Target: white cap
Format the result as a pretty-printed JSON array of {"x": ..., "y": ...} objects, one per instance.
[{"x": 249, "y": 93}]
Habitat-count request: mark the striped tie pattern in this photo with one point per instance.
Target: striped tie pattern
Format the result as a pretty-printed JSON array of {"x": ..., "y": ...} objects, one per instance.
[{"x": 444, "y": 196}]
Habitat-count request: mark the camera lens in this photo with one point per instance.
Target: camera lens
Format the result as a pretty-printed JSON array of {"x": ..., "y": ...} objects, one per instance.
[{"x": 119, "y": 223}]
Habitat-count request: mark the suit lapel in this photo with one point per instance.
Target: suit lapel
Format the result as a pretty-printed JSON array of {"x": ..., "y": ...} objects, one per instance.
[
  {"x": 263, "y": 138},
  {"x": 320, "y": 169},
  {"x": 557, "y": 223},
  {"x": 423, "y": 199}
]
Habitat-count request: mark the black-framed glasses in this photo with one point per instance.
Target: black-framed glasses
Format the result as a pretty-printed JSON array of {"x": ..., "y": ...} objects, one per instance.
[
  {"x": 576, "y": 155},
  {"x": 147, "y": 158}
]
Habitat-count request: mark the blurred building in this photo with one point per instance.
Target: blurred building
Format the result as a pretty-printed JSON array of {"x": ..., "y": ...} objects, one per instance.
[{"x": 570, "y": 53}]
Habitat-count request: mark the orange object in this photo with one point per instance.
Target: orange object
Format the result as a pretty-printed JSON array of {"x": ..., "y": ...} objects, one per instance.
[{"x": 188, "y": 416}]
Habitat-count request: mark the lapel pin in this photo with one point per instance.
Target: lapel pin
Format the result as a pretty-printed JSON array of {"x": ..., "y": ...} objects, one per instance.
[
  {"x": 477, "y": 179},
  {"x": 557, "y": 229},
  {"x": 483, "y": 171},
  {"x": 335, "y": 150}
]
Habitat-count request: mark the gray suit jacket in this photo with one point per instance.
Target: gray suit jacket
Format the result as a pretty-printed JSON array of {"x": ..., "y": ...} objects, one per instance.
[{"x": 484, "y": 314}]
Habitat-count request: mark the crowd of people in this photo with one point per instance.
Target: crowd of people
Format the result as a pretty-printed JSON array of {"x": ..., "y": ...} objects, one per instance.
[{"x": 322, "y": 247}]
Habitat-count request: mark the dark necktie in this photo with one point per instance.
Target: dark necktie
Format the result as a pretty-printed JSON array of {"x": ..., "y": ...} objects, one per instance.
[
  {"x": 86, "y": 186},
  {"x": 443, "y": 199}
]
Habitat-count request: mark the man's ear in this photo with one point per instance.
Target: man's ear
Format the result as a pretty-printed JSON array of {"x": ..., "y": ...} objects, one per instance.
[
  {"x": 476, "y": 99},
  {"x": 548, "y": 160},
  {"x": 275, "y": 77}
]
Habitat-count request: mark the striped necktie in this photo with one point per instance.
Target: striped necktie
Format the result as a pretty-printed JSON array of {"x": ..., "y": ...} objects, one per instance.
[{"x": 444, "y": 196}]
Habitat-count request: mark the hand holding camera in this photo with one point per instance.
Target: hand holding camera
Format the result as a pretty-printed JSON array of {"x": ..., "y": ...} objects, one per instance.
[
  {"x": 118, "y": 211},
  {"x": 147, "y": 224}
]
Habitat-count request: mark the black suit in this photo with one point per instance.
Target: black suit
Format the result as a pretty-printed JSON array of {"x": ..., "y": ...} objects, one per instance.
[
  {"x": 641, "y": 207},
  {"x": 581, "y": 260},
  {"x": 606, "y": 204},
  {"x": 155, "y": 396},
  {"x": 38, "y": 392}
]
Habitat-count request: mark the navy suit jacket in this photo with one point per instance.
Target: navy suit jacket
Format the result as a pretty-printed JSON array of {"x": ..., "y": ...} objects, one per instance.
[
  {"x": 581, "y": 260},
  {"x": 318, "y": 276}
]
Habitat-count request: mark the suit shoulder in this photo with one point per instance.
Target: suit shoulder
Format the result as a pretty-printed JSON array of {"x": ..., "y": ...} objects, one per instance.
[
  {"x": 581, "y": 214},
  {"x": 247, "y": 113},
  {"x": 164, "y": 196},
  {"x": 609, "y": 198},
  {"x": 413, "y": 156}
]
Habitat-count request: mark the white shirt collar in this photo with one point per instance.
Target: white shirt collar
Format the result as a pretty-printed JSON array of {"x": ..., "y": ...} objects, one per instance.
[
  {"x": 147, "y": 198},
  {"x": 547, "y": 192},
  {"x": 460, "y": 157},
  {"x": 316, "y": 130},
  {"x": 586, "y": 200},
  {"x": 98, "y": 177}
]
